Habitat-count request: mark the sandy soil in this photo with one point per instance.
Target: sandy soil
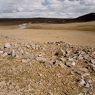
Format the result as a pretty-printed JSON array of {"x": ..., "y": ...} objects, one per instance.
[
  {"x": 73, "y": 33},
  {"x": 40, "y": 35}
]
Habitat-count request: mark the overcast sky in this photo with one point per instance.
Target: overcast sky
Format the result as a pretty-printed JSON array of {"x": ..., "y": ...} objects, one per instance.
[{"x": 46, "y": 8}]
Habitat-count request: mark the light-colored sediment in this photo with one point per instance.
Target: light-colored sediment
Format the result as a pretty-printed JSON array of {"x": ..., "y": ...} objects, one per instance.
[
  {"x": 73, "y": 33},
  {"x": 85, "y": 38},
  {"x": 28, "y": 66}
]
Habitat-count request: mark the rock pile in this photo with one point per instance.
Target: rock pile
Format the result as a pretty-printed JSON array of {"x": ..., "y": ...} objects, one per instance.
[
  {"x": 80, "y": 60},
  {"x": 53, "y": 53}
]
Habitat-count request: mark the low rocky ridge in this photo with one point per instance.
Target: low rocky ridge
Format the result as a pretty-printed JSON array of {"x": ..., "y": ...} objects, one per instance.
[{"x": 52, "y": 68}]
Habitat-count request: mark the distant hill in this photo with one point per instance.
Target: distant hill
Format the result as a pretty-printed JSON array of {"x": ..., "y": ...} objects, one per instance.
[
  {"x": 87, "y": 17},
  {"x": 33, "y": 20},
  {"x": 14, "y": 21}
]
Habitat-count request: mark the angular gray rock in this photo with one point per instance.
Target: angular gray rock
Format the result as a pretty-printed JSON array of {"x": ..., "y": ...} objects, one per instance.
[
  {"x": 63, "y": 59},
  {"x": 81, "y": 82},
  {"x": 93, "y": 61},
  {"x": 70, "y": 62},
  {"x": 13, "y": 53},
  {"x": 7, "y": 45}
]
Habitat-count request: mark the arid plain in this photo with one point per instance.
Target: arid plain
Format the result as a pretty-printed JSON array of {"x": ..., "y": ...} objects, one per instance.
[
  {"x": 47, "y": 59},
  {"x": 73, "y": 33}
]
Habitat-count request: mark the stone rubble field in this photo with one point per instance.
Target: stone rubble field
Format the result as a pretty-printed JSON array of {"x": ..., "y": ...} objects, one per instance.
[{"x": 52, "y": 68}]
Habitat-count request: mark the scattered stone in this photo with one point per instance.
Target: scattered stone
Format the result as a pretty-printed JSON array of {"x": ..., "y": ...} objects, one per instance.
[
  {"x": 7, "y": 45},
  {"x": 41, "y": 59},
  {"x": 79, "y": 59},
  {"x": 93, "y": 66},
  {"x": 1, "y": 52},
  {"x": 62, "y": 65},
  {"x": 87, "y": 85},
  {"x": 63, "y": 60},
  {"x": 63, "y": 52},
  {"x": 82, "y": 53},
  {"x": 81, "y": 82},
  {"x": 70, "y": 62},
  {"x": 59, "y": 53},
  {"x": 25, "y": 60},
  {"x": 93, "y": 61},
  {"x": 13, "y": 53},
  {"x": 86, "y": 56},
  {"x": 28, "y": 46},
  {"x": 4, "y": 54},
  {"x": 85, "y": 74},
  {"x": 81, "y": 94},
  {"x": 93, "y": 54}
]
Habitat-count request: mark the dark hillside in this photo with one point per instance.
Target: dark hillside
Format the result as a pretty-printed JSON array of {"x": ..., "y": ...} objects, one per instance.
[{"x": 14, "y": 21}]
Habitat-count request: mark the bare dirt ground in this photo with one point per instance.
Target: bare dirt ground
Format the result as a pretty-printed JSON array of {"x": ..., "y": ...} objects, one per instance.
[
  {"x": 30, "y": 68},
  {"x": 85, "y": 38},
  {"x": 73, "y": 33}
]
